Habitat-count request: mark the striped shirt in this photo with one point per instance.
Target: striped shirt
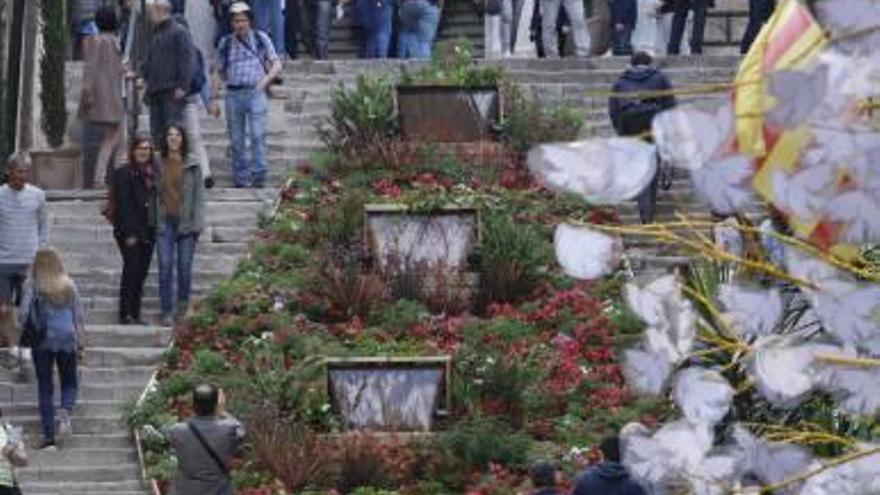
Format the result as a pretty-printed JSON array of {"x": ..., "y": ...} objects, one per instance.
[
  {"x": 23, "y": 224},
  {"x": 246, "y": 61}
]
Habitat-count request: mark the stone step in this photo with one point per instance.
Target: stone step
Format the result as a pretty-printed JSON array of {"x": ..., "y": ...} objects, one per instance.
[
  {"x": 130, "y": 487},
  {"x": 215, "y": 195},
  {"x": 215, "y": 212},
  {"x": 127, "y": 336},
  {"x": 118, "y": 472},
  {"x": 26, "y": 393},
  {"x": 238, "y": 233},
  {"x": 108, "y": 376}
]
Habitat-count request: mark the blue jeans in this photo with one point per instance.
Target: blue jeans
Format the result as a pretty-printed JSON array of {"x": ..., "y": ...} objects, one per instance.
[
  {"x": 183, "y": 247},
  {"x": 269, "y": 18},
  {"x": 418, "y": 26},
  {"x": 44, "y": 363},
  {"x": 320, "y": 12},
  {"x": 376, "y": 17},
  {"x": 247, "y": 107}
]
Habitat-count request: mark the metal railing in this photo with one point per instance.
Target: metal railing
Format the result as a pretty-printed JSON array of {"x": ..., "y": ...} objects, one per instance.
[{"x": 134, "y": 51}]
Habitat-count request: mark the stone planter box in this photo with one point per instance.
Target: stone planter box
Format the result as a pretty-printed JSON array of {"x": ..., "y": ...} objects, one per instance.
[
  {"x": 390, "y": 394},
  {"x": 448, "y": 114},
  {"x": 57, "y": 169}
]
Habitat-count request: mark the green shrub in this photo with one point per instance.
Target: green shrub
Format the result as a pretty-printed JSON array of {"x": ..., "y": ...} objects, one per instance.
[
  {"x": 362, "y": 121},
  {"x": 475, "y": 442},
  {"x": 52, "y": 94},
  {"x": 454, "y": 64},
  {"x": 511, "y": 258},
  {"x": 209, "y": 363},
  {"x": 529, "y": 122}
]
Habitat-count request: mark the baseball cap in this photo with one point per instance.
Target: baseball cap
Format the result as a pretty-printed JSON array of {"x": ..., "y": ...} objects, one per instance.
[{"x": 239, "y": 8}]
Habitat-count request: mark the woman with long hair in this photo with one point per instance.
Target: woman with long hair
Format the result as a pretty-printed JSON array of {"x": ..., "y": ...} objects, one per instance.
[
  {"x": 101, "y": 103},
  {"x": 51, "y": 302},
  {"x": 180, "y": 220},
  {"x": 132, "y": 210}
]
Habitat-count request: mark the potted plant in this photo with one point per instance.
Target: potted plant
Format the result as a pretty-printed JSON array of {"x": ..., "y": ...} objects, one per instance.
[
  {"x": 56, "y": 168},
  {"x": 451, "y": 100}
]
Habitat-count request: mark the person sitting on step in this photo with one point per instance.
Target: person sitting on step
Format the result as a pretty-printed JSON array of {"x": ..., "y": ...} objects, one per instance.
[{"x": 52, "y": 318}]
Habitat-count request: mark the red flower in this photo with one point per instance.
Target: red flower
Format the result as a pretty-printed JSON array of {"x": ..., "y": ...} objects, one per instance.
[{"x": 387, "y": 188}]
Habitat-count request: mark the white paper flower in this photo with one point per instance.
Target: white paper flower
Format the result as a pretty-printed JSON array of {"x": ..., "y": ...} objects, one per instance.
[
  {"x": 850, "y": 311},
  {"x": 852, "y": 23},
  {"x": 585, "y": 253},
  {"x": 751, "y": 311},
  {"x": 602, "y": 171},
  {"x": 770, "y": 462},
  {"x": 804, "y": 193},
  {"x": 858, "y": 477},
  {"x": 859, "y": 212},
  {"x": 667, "y": 455},
  {"x": 715, "y": 475},
  {"x": 783, "y": 369},
  {"x": 703, "y": 396},
  {"x": 796, "y": 93},
  {"x": 688, "y": 138},
  {"x": 724, "y": 183},
  {"x": 670, "y": 317},
  {"x": 857, "y": 388},
  {"x": 646, "y": 372}
]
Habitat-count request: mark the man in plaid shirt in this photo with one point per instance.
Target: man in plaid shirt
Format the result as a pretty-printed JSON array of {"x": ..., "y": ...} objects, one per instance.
[{"x": 248, "y": 63}]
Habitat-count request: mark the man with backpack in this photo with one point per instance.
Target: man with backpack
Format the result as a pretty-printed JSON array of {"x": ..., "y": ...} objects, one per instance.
[
  {"x": 632, "y": 115},
  {"x": 247, "y": 64},
  {"x": 199, "y": 92},
  {"x": 205, "y": 444},
  {"x": 167, "y": 70}
]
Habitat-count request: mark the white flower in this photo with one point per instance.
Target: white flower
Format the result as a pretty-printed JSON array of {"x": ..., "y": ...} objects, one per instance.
[
  {"x": 585, "y": 253},
  {"x": 703, "y": 396},
  {"x": 770, "y": 462},
  {"x": 688, "y": 138},
  {"x": 858, "y": 477},
  {"x": 602, "y": 171},
  {"x": 783, "y": 368},
  {"x": 725, "y": 183},
  {"x": 751, "y": 311}
]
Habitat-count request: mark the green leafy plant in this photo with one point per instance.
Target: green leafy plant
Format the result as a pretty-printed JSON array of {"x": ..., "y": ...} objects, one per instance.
[
  {"x": 54, "y": 118},
  {"x": 454, "y": 64},
  {"x": 363, "y": 122},
  {"x": 511, "y": 258},
  {"x": 529, "y": 122},
  {"x": 475, "y": 442}
]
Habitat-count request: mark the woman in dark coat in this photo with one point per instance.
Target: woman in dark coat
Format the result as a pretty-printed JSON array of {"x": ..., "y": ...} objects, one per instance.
[{"x": 133, "y": 211}]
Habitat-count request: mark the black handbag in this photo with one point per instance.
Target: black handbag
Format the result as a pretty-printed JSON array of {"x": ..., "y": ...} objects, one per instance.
[{"x": 34, "y": 331}]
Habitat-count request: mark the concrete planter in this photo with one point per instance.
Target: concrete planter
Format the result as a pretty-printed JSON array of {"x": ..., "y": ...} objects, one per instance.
[
  {"x": 448, "y": 114},
  {"x": 390, "y": 394},
  {"x": 57, "y": 169}
]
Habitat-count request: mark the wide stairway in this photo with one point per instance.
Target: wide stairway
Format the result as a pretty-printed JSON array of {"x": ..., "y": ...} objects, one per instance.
[{"x": 101, "y": 458}]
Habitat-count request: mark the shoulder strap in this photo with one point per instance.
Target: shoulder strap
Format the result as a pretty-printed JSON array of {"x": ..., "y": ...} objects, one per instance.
[{"x": 220, "y": 464}]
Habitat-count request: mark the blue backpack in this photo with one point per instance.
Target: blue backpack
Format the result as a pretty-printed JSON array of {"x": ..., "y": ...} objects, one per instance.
[{"x": 200, "y": 79}]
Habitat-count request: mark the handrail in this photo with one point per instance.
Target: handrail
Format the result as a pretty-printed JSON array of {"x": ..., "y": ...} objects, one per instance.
[{"x": 133, "y": 54}]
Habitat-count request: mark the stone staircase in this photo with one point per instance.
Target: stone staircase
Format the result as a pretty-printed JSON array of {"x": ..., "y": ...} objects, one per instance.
[{"x": 119, "y": 361}]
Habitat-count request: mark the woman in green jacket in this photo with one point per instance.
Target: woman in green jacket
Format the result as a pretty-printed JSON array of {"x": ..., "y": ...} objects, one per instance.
[{"x": 181, "y": 218}]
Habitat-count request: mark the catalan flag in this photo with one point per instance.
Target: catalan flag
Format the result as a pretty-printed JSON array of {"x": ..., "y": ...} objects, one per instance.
[{"x": 792, "y": 39}]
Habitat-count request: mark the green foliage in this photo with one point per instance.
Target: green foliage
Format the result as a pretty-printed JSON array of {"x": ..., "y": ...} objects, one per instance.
[
  {"x": 475, "y": 442},
  {"x": 54, "y": 118},
  {"x": 454, "y": 65},
  {"x": 400, "y": 316},
  {"x": 208, "y": 362},
  {"x": 362, "y": 120},
  {"x": 511, "y": 258},
  {"x": 529, "y": 122}
]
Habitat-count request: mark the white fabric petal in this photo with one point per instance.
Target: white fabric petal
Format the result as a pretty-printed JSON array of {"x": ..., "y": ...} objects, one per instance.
[
  {"x": 850, "y": 311},
  {"x": 804, "y": 193},
  {"x": 646, "y": 372},
  {"x": 724, "y": 183},
  {"x": 751, "y": 311},
  {"x": 667, "y": 455},
  {"x": 859, "y": 212},
  {"x": 648, "y": 301},
  {"x": 850, "y": 22},
  {"x": 703, "y": 396},
  {"x": 585, "y": 253},
  {"x": 771, "y": 462},
  {"x": 857, "y": 388},
  {"x": 670, "y": 317},
  {"x": 602, "y": 171},
  {"x": 688, "y": 138},
  {"x": 796, "y": 93},
  {"x": 784, "y": 371},
  {"x": 715, "y": 475},
  {"x": 859, "y": 477}
]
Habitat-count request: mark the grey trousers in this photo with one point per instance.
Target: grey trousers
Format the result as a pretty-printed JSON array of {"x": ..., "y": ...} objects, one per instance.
[{"x": 578, "y": 18}]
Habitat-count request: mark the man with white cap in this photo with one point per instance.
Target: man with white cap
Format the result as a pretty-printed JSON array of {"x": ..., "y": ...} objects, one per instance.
[
  {"x": 168, "y": 69},
  {"x": 247, "y": 63}
]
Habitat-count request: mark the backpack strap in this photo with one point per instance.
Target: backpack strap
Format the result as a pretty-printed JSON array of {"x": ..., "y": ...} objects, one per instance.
[{"x": 211, "y": 452}]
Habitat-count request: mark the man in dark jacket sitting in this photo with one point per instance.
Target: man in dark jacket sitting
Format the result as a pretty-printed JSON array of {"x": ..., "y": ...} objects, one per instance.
[
  {"x": 632, "y": 115},
  {"x": 609, "y": 477}
]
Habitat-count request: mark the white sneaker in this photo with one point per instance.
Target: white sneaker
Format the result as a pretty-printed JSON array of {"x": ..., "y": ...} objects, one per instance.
[{"x": 65, "y": 428}]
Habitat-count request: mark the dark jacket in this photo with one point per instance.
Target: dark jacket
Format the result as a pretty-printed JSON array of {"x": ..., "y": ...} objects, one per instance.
[
  {"x": 631, "y": 116},
  {"x": 170, "y": 62},
  {"x": 608, "y": 478},
  {"x": 134, "y": 204},
  {"x": 624, "y": 12},
  {"x": 548, "y": 491}
]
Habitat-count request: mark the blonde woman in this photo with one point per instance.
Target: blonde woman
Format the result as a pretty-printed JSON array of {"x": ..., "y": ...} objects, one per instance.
[{"x": 51, "y": 302}]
